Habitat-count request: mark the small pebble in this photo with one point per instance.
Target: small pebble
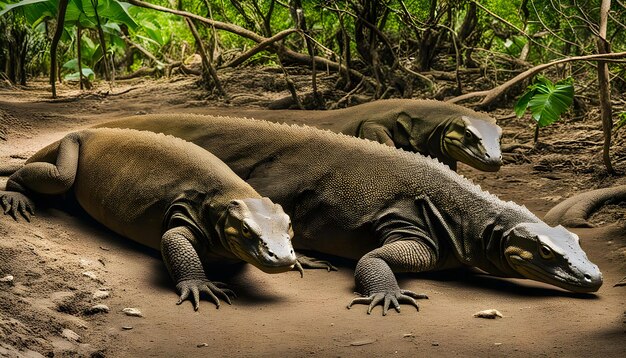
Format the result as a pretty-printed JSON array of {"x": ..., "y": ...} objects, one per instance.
[
  {"x": 98, "y": 309},
  {"x": 203, "y": 345},
  {"x": 435, "y": 344},
  {"x": 101, "y": 294},
  {"x": 84, "y": 263},
  {"x": 490, "y": 314},
  {"x": 7, "y": 278},
  {"x": 497, "y": 344},
  {"x": 132, "y": 312},
  {"x": 104, "y": 248},
  {"x": 362, "y": 342},
  {"x": 127, "y": 327},
  {"x": 90, "y": 274},
  {"x": 408, "y": 335},
  {"x": 70, "y": 335}
]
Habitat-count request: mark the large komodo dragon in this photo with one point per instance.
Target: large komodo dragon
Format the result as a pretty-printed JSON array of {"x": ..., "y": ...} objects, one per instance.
[
  {"x": 165, "y": 193},
  {"x": 392, "y": 210},
  {"x": 445, "y": 131}
]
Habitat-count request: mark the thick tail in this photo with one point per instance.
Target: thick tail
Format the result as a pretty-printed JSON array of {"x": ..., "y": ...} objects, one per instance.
[
  {"x": 574, "y": 211},
  {"x": 8, "y": 169}
]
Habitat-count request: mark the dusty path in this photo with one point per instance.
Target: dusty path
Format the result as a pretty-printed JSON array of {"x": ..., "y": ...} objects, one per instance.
[{"x": 279, "y": 315}]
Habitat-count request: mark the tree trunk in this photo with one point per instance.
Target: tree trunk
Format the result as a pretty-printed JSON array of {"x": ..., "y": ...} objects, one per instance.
[
  {"x": 605, "y": 87},
  {"x": 103, "y": 44},
  {"x": 80, "y": 67},
  {"x": 55, "y": 43}
]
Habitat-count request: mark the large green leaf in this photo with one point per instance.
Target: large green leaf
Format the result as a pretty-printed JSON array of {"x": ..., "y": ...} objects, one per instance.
[
  {"x": 522, "y": 103},
  {"x": 550, "y": 102},
  {"x": 10, "y": 7}
]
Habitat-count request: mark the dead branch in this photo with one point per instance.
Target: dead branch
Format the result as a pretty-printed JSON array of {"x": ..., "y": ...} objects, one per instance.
[
  {"x": 209, "y": 69},
  {"x": 284, "y": 52},
  {"x": 142, "y": 50},
  {"x": 493, "y": 94},
  {"x": 260, "y": 47}
]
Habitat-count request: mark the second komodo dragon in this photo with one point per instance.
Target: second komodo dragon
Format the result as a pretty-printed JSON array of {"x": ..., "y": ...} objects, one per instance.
[
  {"x": 165, "y": 193},
  {"x": 392, "y": 210},
  {"x": 445, "y": 131}
]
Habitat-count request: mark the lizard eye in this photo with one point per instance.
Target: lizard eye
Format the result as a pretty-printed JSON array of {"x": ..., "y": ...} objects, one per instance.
[
  {"x": 469, "y": 135},
  {"x": 546, "y": 252},
  {"x": 245, "y": 229}
]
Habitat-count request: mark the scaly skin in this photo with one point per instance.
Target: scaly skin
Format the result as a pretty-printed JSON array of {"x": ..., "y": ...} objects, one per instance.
[
  {"x": 165, "y": 193},
  {"x": 574, "y": 211},
  {"x": 445, "y": 131},
  {"x": 369, "y": 202}
]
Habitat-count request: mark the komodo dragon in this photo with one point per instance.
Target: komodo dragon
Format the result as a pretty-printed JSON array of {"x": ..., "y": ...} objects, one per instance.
[
  {"x": 165, "y": 193},
  {"x": 574, "y": 211},
  {"x": 445, "y": 131},
  {"x": 392, "y": 210}
]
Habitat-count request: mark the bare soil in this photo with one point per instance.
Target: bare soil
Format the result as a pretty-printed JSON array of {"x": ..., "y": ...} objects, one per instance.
[{"x": 51, "y": 294}]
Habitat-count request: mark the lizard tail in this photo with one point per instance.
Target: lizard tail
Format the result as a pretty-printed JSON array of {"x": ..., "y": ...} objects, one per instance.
[
  {"x": 574, "y": 211},
  {"x": 8, "y": 169}
]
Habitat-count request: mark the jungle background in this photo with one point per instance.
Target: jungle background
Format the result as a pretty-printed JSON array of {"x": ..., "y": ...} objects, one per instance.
[{"x": 285, "y": 61}]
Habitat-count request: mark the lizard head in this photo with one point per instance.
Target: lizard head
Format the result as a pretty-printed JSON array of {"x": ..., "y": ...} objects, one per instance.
[
  {"x": 551, "y": 255},
  {"x": 259, "y": 232},
  {"x": 475, "y": 142}
]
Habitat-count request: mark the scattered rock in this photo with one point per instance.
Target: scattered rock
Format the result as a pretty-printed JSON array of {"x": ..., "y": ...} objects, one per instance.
[
  {"x": 7, "y": 278},
  {"x": 497, "y": 344},
  {"x": 435, "y": 344},
  {"x": 362, "y": 342},
  {"x": 101, "y": 294},
  {"x": 91, "y": 275},
  {"x": 408, "y": 335},
  {"x": 129, "y": 311},
  {"x": 490, "y": 314},
  {"x": 97, "y": 309},
  {"x": 84, "y": 263},
  {"x": 126, "y": 328},
  {"x": 622, "y": 282},
  {"x": 202, "y": 345},
  {"x": 104, "y": 248},
  {"x": 70, "y": 335}
]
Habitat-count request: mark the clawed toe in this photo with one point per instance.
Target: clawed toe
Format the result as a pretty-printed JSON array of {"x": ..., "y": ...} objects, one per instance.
[
  {"x": 389, "y": 299},
  {"x": 193, "y": 288}
]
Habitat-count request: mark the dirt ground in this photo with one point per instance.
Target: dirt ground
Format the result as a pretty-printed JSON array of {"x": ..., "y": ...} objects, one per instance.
[{"x": 63, "y": 263}]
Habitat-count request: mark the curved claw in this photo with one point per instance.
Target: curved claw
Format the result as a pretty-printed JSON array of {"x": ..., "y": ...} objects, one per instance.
[
  {"x": 16, "y": 204},
  {"x": 194, "y": 287},
  {"x": 298, "y": 267},
  {"x": 313, "y": 263},
  {"x": 389, "y": 299}
]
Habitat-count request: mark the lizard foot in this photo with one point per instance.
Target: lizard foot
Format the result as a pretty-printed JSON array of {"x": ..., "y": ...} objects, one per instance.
[
  {"x": 388, "y": 298},
  {"x": 212, "y": 289},
  {"x": 306, "y": 262},
  {"x": 16, "y": 204}
]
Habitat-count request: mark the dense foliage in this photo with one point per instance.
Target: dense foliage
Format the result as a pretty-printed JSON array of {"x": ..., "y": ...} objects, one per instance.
[{"x": 393, "y": 43}]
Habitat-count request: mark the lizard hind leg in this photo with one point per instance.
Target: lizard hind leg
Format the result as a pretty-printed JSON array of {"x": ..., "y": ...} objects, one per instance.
[{"x": 42, "y": 178}]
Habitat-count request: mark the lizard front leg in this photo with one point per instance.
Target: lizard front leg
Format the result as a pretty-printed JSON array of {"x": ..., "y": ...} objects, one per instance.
[
  {"x": 374, "y": 274},
  {"x": 185, "y": 267}
]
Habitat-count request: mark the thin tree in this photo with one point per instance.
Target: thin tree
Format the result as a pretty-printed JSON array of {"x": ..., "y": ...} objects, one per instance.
[
  {"x": 55, "y": 43},
  {"x": 604, "y": 86}
]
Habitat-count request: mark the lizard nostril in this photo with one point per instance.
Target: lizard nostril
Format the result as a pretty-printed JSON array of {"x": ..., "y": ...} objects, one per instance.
[{"x": 487, "y": 155}]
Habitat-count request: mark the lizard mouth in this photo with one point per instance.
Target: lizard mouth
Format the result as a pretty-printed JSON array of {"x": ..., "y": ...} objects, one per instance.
[
  {"x": 560, "y": 278},
  {"x": 265, "y": 261},
  {"x": 482, "y": 160}
]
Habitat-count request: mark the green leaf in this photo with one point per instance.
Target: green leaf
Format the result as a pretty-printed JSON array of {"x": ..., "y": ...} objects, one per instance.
[
  {"x": 550, "y": 102},
  {"x": 522, "y": 103},
  {"x": 20, "y": 4}
]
